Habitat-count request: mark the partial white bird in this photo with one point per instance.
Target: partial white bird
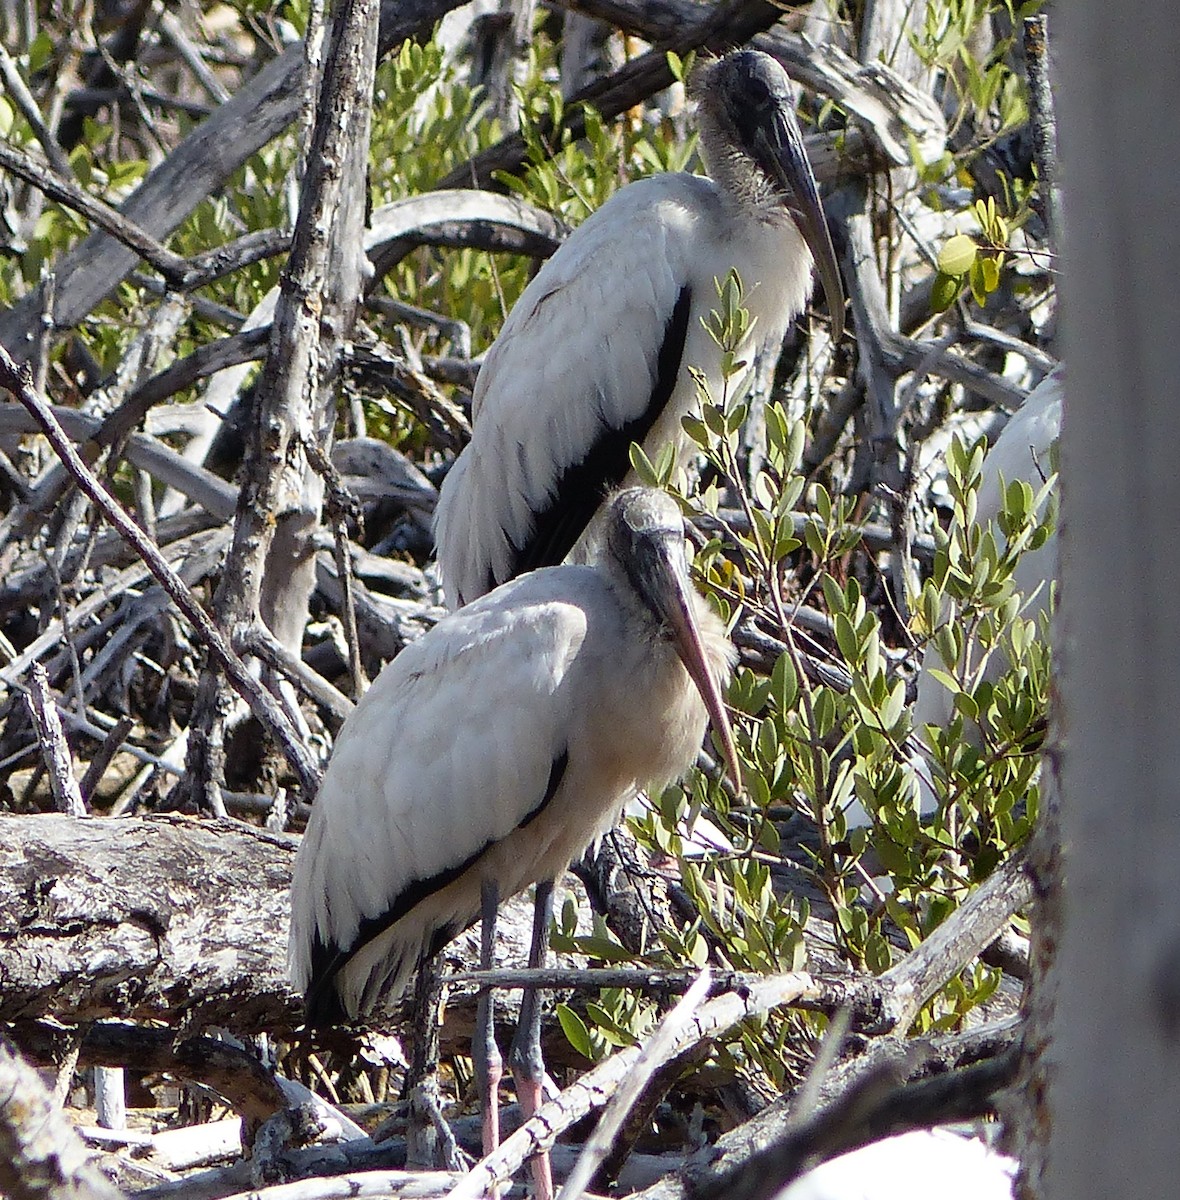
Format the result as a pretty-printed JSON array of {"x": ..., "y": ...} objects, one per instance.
[
  {"x": 925, "y": 1164},
  {"x": 490, "y": 753},
  {"x": 595, "y": 354},
  {"x": 1022, "y": 451}
]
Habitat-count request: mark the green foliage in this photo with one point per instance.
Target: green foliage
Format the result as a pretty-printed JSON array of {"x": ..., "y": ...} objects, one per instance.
[
  {"x": 992, "y": 102},
  {"x": 986, "y": 89},
  {"x": 813, "y": 749},
  {"x": 964, "y": 262}
]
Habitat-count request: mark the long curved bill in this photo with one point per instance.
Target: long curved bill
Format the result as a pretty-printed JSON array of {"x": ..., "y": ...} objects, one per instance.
[
  {"x": 670, "y": 590},
  {"x": 785, "y": 159}
]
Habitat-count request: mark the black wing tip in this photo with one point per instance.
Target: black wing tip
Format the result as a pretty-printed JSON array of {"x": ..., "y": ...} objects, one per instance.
[{"x": 322, "y": 1006}]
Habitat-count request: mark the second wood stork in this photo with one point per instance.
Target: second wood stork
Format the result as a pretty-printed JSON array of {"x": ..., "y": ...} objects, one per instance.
[
  {"x": 490, "y": 753},
  {"x": 595, "y": 354}
]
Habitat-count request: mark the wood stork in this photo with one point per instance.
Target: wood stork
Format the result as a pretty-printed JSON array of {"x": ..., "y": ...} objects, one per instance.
[
  {"x": 595, "y": 354},
  {"x": 490, "y": 753}
]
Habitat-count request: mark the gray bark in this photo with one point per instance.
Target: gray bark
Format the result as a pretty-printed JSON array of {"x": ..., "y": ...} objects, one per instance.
[
  {"x": 1115, "y": 1091},
  {"x": 160, "y": 918},
  {"x": 41, "y": 1157},
  {"x": 270, "y": 571}
]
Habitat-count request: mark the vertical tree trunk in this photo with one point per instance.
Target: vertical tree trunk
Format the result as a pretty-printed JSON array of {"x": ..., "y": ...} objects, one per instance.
[
  {"x": 269, "y": 573},
  {"x": 1115, "y": 1087}
]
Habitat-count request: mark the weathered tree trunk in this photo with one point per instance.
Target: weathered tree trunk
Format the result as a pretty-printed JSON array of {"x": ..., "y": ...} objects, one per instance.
[
  {"x": 166, "y": 918},
  {"x": 160, "y": 918},
  {"x": 270, "y": 571},
  {"x": 1115, "y": 1090}
]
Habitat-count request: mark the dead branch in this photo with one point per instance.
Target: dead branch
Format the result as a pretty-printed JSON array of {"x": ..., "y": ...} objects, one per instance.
[
  {"x": 67, "y": 192},
  {"x": 877, "y": 1106},
  {"x": 904, "y": 988},
  {"x": 260, "y": 110},
  {"x": 270, "y": 571},
  {"x": 67, "y": 798},
  {"x": 730, "y": 23},
  {"x": 866, "y": 1068},
  {"x": 142, "y": 450},
  {"x": 155, "y": 919},
  {"x": 260, "y": 701},
  {"x": 236, "y": 1075},
  {"x": 41, "y": 1157},
  {"x": 596, "y": 1087}
]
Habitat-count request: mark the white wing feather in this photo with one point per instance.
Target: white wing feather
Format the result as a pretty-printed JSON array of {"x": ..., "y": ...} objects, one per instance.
[
  {"x": 579, "y": 353},
  {"x": 467, "y": 722}
]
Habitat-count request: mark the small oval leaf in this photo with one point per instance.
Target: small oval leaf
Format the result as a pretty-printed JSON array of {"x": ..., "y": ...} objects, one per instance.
[{"x": 957, "y": 255}]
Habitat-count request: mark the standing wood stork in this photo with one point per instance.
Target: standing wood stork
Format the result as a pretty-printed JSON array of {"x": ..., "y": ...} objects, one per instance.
[
  {"x": 595, "y": 354},
  {"x": 489, "y": 754}
]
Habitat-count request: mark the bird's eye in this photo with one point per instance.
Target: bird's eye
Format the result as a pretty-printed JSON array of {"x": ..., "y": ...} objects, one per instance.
[{"x": 757, "y": 94}]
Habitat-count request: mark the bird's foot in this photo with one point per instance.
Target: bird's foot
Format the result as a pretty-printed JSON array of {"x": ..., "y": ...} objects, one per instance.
[{"x": 530, "y": 1096}]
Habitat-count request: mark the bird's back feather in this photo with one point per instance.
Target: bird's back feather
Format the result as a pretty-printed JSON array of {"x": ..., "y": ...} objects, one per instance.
[{"x": 585, "y": 353}]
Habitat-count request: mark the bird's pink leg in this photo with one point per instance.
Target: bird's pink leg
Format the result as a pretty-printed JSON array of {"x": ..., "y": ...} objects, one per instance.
[
  {"x": 528, "y": 1067},
  {"x": 489, "y": 1066}
]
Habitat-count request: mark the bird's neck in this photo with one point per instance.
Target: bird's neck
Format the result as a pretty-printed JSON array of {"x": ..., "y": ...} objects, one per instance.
[{"x": 745, "y": 189}]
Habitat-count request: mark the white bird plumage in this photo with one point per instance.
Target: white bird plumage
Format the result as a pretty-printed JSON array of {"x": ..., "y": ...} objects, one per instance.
[
  {"x": 496, "y": 747},
  {"x": 925, "y": 1164},
  {"x": 1022, "y": 451},
  {"x": 595, "y": 354}
]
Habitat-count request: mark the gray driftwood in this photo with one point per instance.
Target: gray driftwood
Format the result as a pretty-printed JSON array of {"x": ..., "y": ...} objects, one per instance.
[{"x": 158, "y": 918}]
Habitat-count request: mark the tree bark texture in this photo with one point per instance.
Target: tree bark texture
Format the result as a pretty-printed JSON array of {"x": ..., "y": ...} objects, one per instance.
[
  {"x": 171, "y": 919},
  {"x": 1115, "y": 1091},
  {"x": 159, "y": 918},
  {"x": 270, "y": 571}
]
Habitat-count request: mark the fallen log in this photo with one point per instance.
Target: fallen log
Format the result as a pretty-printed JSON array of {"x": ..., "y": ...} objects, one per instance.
[{"x": 159, "y": 918}]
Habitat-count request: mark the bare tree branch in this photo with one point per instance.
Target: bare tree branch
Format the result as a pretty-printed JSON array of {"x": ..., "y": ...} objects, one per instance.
[{"x": 261, "y": 702}]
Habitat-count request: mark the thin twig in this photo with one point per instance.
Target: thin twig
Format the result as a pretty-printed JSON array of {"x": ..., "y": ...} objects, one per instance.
[
  {"x": 342, "y": 507},
  {"x": 14, "y": 84},
  {"x": 259, "y": 640},
  {"x": 111, "y": 746},
  {"x": 1043, "y": 121},
  {"x": 54, "y": 747},
  {"x": 109, "y": 220},
  {"x": 262, "y": 704}
]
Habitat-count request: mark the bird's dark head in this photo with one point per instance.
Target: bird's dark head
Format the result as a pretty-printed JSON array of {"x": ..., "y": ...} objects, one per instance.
[
  {"x": 645, "y": 540},
  {"x": 753, "y": 148},
  {"x": 641, "y": 522}
]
